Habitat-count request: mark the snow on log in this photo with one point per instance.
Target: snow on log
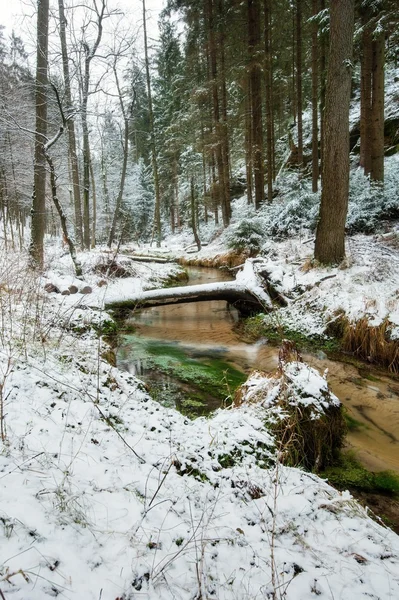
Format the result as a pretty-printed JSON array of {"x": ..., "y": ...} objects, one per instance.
[
  {"x": 149, "y": 259},
  {"x": 245, "y": 293}
]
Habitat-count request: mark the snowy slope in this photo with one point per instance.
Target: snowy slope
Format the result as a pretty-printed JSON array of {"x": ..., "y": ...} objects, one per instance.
[{"x": 105, "y": 494}]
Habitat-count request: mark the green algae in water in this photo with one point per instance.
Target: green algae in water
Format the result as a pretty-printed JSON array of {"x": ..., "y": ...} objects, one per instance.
[{"x": 198, "y": 380}]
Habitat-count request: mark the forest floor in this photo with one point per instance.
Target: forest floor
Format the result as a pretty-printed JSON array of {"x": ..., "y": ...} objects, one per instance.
[{"x": 108, "y": 495}]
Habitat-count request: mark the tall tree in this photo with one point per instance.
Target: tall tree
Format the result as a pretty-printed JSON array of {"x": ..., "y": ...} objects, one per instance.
[
  {"x": 89, "y": 52},
  {"x": 39, "y": 184},
  {"x": 154, "y": 160},
  {"x": 269, "y": 98},
  {"x": 255, "y": 78},
  {"x": 73, "y": 156},
  {"x": 377, "y": 106},
  {"x": 315, "y": 88},
  {"x": 330, "y": 235},
  {"x": 298, "y": 77}
]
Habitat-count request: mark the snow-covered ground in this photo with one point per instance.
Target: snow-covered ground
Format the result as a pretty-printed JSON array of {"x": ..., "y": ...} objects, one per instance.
[{"x": 107, "y": 495}]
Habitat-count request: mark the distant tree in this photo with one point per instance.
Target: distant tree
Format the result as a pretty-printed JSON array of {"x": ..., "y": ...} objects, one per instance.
[
  {"x": 72, "y": 145},
  {"x": 154, "y": 160},
  {"x": 127, "y": 111},
  {"x": 97, "y": 16},
  {"x": 330, "y": 234},
  {"x": 255, "y": 80}
]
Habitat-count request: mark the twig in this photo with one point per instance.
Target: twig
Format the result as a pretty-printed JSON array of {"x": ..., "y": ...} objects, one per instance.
[{"x": 117, "y": 432}]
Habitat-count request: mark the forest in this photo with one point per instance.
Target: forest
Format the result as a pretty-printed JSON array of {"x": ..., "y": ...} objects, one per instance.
[{"x": 199, "y": 300}]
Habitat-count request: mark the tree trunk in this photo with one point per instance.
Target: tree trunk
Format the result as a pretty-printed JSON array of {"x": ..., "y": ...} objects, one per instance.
[
  {"x": 248, "y": 140},
  {"x": 93, "y": 239},
  {"x": 57, "y": 204},
  {"x": 89, "y": 54},
  {"x": 298, "y": 71},
  {"x": 193, "y": 215},
  {"x": 224, "y": 124},
  {"x": 323, "y": 69},
  {"x": 365, "y": 94},
  {"x": 218, "y": 127},
  {"x": 315, "y": 87},
  {"x": 330, "y": 235},
  {"x": 39, "y": 177},
  {"x": 377, "y": 109},
  {"x": 86, "y": 158},
  {"x": 157, "y": 210},
  {"x": 269, "y": 99},
  {"x": 71, "y": 128},
  {"x": 255, "y": 74},
  {"x": 119, "y": 199}
]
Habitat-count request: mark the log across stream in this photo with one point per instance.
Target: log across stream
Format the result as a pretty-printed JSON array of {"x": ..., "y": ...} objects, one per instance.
[{"x": 179, "y": 349}]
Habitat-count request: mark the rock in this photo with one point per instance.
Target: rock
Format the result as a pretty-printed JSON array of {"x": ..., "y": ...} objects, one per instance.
[
  {"x": 86, "y": 290},
  {"x": 73, "y": 289},
  {"x": 50, "y": 288},
  {"x": 65, "y": 293}
]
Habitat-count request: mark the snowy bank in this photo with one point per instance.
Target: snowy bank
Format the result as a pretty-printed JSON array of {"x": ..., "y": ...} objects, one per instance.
[{"x": 106, "y": 494}]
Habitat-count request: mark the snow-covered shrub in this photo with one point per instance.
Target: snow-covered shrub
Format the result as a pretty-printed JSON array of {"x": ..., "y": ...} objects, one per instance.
[
  {"x": 295, "y": 208},
  {"x": 247, "y": 234},
  {"x": 370, "y": 203},
  {"x": 301, "y": 413}
]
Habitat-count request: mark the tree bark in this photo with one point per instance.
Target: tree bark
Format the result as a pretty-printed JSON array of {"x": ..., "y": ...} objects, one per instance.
[
  {"x": 315, "y": 88},
  {"x": 323, "y": 69},
  {"x": 39, "y": 177},
  {"x": 377, "y": 109},
  {"x": 255, "y": 74},
  {"x": 330, "y": 235},
  {"x": 269, "y": 99},
  {"x": 365, "y": 94},
  {"x": 194, "y": 215},
  {"x": 298, "y": 71}
]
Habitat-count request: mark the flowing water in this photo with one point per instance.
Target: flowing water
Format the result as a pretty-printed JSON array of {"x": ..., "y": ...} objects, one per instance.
[{"x": 190, "y": 354}]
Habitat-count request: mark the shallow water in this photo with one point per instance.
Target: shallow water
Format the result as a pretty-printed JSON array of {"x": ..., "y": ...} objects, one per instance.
[{"x": 203, "y": 333}]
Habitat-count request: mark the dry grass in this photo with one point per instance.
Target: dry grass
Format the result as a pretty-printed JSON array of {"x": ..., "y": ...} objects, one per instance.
[
  {"x": 302, "y": 440},
  {"x": 368, "y": 342}
]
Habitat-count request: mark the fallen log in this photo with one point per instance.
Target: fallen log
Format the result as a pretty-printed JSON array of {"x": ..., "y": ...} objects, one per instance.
[
  {"x": 149, "y": 259},
  {"x": 244, "y": 299},
  {"x": 249, "y": 294}
]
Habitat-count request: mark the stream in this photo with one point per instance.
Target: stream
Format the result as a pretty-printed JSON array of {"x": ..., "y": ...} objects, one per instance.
[{"x": 191, "y": 358}]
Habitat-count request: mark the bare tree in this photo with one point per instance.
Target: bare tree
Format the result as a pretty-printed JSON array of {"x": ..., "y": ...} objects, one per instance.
[
  {"x": 157, "y": 211},
  {"x": 127, "y": 115},
  {"x": 71, "y": 126},
  {"x": 89, "y": 52}
]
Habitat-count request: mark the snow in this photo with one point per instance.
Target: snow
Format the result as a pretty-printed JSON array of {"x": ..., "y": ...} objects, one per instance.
[{"x": 105, "y": 494}]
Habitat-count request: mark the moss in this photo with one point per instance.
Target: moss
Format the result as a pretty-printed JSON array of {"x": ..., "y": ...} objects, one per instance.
[
  {"x": 348, "y": 472},
  {"x": 353, "y": 424},
  {"x": 255, "y": 328},
  {"x": 210, "y": 380}
]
